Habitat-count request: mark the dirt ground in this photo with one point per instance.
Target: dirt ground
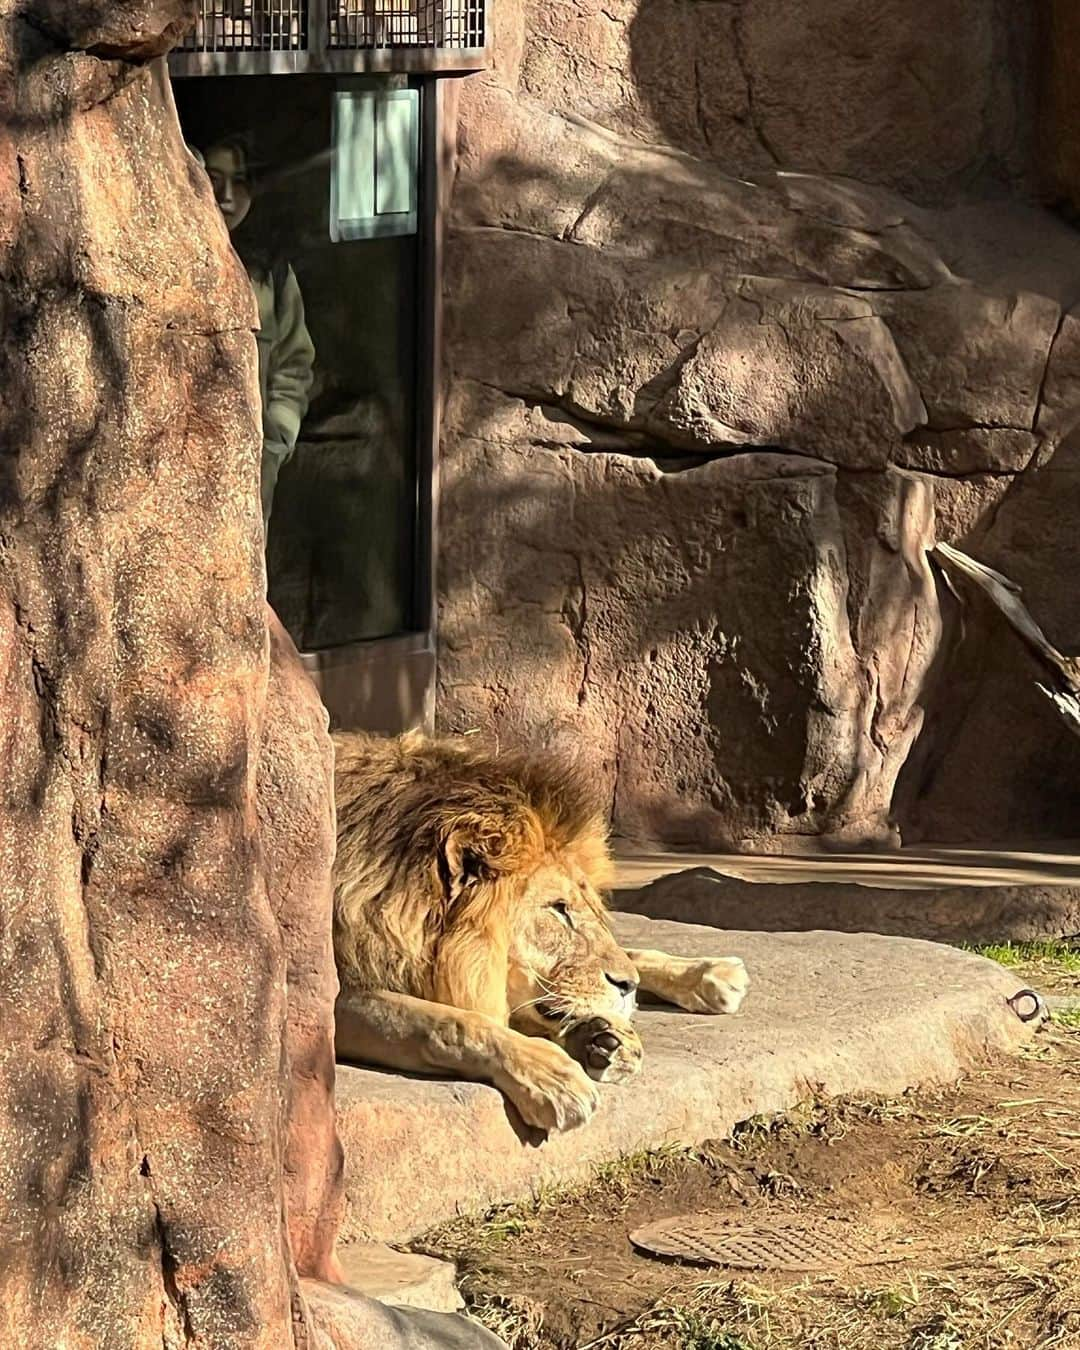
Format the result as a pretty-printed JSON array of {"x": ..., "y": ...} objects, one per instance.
[{"x": 978, "y": 1187}]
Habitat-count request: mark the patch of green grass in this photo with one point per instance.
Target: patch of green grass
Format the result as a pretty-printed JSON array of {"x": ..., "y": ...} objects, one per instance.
[
  {"x": 698, "y": 1331},
  {"x": 620, "y": 1176},
  {"x": 890, "y": 1302},
  {"x": 1067, "y": 1017},
  {"x": 1055, "y": 951},
  {"x": 694, "y": 1330}
]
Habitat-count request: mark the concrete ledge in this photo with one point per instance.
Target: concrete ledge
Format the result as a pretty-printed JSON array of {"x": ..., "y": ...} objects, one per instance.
[
  {"x": 946, "y": 895},
  {"x": 405, "y": 1279},
  {"x": 834, "y": 1013},
  {"x": 979, "y": 913}
]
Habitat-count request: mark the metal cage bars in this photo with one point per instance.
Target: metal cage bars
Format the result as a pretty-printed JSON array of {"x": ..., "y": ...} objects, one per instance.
[{"x": 225, "y": 26}]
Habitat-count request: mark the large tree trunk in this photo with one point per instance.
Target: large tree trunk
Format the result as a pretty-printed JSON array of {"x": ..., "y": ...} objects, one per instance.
[{"x": 143, "y": 1075}]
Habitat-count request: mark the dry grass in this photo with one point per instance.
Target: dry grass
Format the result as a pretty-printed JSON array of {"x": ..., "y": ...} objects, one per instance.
[
  {"x": 917, "y": 1313},
  {"x": 1010, "y": 1305},
  {"x": 614, "y": 1181},
  {"x": 982, "y": 1181},
  {"x": 818, "y": 1118}
]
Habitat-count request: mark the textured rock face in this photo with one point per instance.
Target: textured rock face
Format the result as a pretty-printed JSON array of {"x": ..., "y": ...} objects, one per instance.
[
  {"x": 700, "y": 435},
  {"x": 297, "y": 834},
  {"x": 828, "y": 86},
  {"x": 651, "y": 618},
  {"x": 1059, "y": 131}
]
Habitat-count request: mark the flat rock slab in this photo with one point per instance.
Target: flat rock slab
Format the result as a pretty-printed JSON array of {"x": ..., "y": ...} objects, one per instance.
[
  {"x": 835, "y": 1013},
  {"x": 406, "y": 1279},
  {"x": 916, "y": 867},
  {"x": 345, "y": 1319},
  {"x": 967, "y": 913}
]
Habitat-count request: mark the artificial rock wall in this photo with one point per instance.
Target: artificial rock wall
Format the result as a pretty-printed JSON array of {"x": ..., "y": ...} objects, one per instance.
[{"x": 714, "y": 386}]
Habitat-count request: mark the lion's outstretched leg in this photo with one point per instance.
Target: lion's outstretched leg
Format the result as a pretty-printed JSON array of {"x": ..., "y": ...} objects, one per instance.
[
  {"x": 702, "y": 984},
  {"x": 397, "y": 1031}
]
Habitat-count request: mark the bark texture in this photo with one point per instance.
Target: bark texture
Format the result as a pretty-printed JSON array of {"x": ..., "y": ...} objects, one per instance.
[{"x": 147, "y": 1030}]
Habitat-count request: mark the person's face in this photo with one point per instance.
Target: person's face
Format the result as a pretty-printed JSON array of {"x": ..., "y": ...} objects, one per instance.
[{"x": 228, "y": 173}]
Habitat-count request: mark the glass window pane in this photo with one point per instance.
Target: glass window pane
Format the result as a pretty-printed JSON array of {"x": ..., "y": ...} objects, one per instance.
[
  {"x": 353, "y": 183},
  {"x": 395, "y": 153},
  {"x": 375, "y": 168},
  {"x": 342, "y": 537}
]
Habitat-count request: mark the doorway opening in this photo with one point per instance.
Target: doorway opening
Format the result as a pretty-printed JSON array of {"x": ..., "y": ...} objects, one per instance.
[{"x": 342, "y": 173}]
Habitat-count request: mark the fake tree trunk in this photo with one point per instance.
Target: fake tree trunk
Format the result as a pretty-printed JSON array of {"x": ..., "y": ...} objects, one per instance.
[
  {"x": 170, "y": 1173},
  {"x": 144, "y": 1084}
]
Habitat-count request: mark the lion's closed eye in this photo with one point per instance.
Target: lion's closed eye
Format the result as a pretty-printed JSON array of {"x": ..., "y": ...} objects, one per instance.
[{"x": 561, "y": 908}]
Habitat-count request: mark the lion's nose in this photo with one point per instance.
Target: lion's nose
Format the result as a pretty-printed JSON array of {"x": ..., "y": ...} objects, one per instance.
[{"x": 624, "y": 986}]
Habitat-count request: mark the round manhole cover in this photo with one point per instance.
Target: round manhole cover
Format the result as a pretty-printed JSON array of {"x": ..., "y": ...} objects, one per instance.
[{"x": 711, "y": 1240}]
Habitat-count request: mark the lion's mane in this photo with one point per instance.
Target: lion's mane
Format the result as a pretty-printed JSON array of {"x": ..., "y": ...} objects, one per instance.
[{"x": 433, "y": 837}]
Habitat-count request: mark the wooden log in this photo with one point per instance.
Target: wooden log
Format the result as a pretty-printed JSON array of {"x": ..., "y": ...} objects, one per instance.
[{"x": 1063, "y": 685}]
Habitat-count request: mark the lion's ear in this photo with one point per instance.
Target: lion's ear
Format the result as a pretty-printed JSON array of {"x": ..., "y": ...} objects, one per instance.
[
  {"x": 470, "y": 965},
  {"x": 484, "y": 845},
  {"x": 463, "y": 860}
]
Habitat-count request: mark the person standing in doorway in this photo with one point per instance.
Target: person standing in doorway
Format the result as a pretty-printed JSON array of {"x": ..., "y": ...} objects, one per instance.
[{"x": 286, "y": 352}]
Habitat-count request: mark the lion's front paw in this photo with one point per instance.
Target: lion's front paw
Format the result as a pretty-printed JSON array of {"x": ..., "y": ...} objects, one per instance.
[
  {"x": 548, "y": 1089},
  {"x": 610, "y": 1051},
  {"x": 716, "y": 984}
]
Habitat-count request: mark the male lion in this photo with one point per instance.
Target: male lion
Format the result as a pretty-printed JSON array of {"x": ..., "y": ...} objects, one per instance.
[{"x": 470, "y": 935}]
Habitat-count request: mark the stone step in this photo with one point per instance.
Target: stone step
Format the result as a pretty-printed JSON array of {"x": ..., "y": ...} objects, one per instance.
[
  {"x": 836, "y": 1013},
  {"x": 345, "y": 1319},
  {"x": 943, "y": 894},
  {"x": 915, "y": 866},
  {"x": 405, "y": 1279}
]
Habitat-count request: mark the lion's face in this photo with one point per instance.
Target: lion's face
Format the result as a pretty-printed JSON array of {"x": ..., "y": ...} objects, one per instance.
[{"x": 564, "y": 964}]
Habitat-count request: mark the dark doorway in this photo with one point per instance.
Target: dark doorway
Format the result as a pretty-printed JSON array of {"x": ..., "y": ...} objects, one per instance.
[{"x": 342, "y": 196}]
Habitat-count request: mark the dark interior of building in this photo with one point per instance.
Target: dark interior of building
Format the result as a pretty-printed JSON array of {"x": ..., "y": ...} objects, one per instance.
[{"x": 342, "y": 535}]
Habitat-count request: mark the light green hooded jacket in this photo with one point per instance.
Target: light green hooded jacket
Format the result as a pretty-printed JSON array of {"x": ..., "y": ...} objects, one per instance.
[
  {"x": 286, "y": 371},
  {"x": 286, "y": 366}
]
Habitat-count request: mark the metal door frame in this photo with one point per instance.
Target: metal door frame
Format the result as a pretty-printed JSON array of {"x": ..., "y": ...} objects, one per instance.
[
  {"x": 317, "y": 57},
  {"x": 388, "y": 684}
]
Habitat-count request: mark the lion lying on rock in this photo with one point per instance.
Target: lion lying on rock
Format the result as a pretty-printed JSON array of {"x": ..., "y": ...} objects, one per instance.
[{"x": 470, "y": 933}]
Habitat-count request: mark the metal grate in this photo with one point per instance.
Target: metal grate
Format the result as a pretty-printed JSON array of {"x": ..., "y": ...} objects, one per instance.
[
  {"x": 709, "y": 1239},
  {"x": 365, "y": 24},
  {"x": 249, "y": 26}
]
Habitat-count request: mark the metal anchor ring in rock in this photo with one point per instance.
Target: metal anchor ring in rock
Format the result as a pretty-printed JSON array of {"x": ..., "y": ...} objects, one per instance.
[{"x": 169, "y": 1166}]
